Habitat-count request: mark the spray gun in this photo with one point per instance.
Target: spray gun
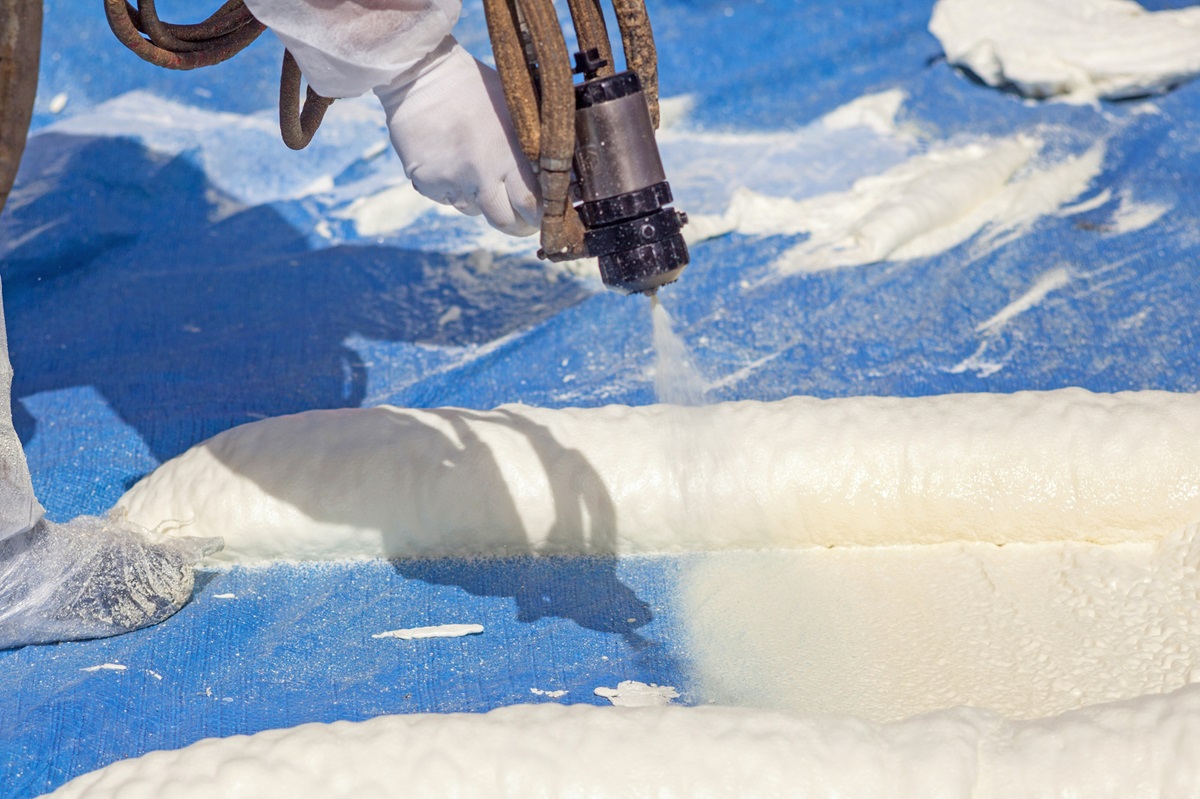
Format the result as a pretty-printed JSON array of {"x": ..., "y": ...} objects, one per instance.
[{"x": 604, "y": 192}]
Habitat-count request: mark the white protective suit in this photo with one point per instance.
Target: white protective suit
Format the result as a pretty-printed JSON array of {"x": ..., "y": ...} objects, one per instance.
[
  {"x": 446, "y": 112},
  {"x": 19, "y": 508}
]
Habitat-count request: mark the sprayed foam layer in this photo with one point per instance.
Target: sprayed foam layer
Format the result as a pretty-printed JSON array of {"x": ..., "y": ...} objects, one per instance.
[
  {"x": 1065, "y": 465},
  {"x": 991, "y": 188},
  {"x": 1143, "y": 748},
  {"x": 1025, "y": 630},
  {"x": 1080, "y": 49}
]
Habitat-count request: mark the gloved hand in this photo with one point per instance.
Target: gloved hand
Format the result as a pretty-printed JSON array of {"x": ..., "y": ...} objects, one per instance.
[
  {"x": 446, "y": 111},
  {"x": 451, "y": 128}
]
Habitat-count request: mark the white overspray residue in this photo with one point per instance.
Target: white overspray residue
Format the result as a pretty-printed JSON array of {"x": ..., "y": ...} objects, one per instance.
[
  {"x": 559, "y": 694},
  {"x": 318, "y": 185},
  {"x": 707, "y": 167},
  {"x": 1090, "y": 204},
  {"x": 437, "y": 631},
  {"x": 106, "y": 667},
  {"x": 1078, "y": 49},
  {"x": 450, "y": 316},
  {"x": 921, "y": 207},
  {"x": 386, "y": 211},
  {"x": 1050, "y": 281},
  {"x": 894, "y": 199},
  {"x": 912, "y": 211},
  {"x": 631, "y": 693},
  {"x": 738, "y": 375},
  {"x": 676, "y": 379},
  {"x": 1034, "y": 194},
  {"x": 1132, "y": 215},
  {"x": 978, "y": 361},
  {"x": 876, "y": 112}
]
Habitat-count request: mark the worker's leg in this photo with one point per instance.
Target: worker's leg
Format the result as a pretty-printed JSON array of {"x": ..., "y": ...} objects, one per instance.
[
  {"x": 88, "y": 578},
  {"x": 19, "y": 509}
]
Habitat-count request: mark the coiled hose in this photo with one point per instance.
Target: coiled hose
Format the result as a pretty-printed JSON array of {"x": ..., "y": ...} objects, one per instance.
[{"x": 231, "y": 29}]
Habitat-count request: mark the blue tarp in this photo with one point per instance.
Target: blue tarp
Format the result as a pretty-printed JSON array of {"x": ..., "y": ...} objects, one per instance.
[{"x": 164, "y": 282}]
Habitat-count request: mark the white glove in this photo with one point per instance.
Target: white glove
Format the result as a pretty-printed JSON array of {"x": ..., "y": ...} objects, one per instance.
[
  {"x": 446, "y": 111},
  {"x": 451, "y": 128}
]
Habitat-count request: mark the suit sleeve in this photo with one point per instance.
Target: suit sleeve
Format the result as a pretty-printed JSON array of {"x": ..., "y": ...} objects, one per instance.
[{"x": 348, "y": 47}]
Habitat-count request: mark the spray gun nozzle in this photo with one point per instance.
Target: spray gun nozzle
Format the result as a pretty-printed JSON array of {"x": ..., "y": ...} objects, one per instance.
[{"x": 623, "y": 188}]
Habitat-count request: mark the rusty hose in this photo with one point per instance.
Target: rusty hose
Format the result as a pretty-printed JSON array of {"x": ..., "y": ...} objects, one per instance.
[
  {"x": 231, "y": 29},
  {"x": 640, "y": 53},
  {"x": 220, "y": 37},
  {"x": 516, "y": 76},
  {"x": 588, "y": 19},
  {"x": 298, "y": 124},
  {"x": 562, "y": 231},
  {"x": 20, "y": 47}
]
